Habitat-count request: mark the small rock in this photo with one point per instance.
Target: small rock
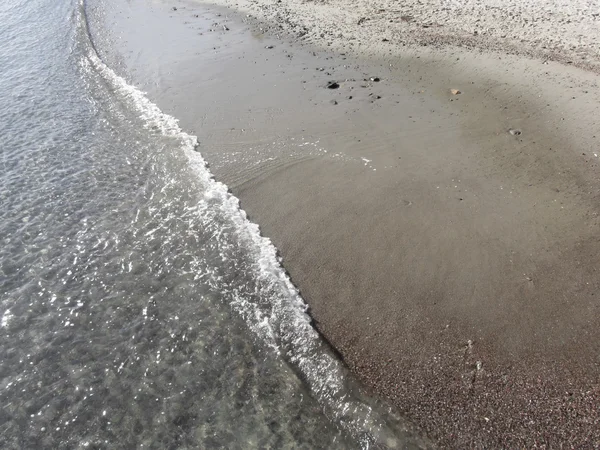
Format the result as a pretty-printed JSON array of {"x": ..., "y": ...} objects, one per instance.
[
  {"x": 350, "y": 98},
  {"x": 455, "y": 92},
  {"x": 375, "y": 79},
  {"x": 334, "y": 102},
  {"x": 385, "y": 40},
  {"x": 269, "y": 47},
  {"x": 174, "y": 8},
  {"x": 333, "y": 85},
  {"x": 514, "y": 132}
]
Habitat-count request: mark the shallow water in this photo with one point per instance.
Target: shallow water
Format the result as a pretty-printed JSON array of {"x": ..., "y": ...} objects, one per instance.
[{"x": 139, "y": 307}]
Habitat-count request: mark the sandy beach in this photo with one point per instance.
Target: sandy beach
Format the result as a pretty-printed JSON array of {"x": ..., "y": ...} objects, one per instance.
[{"x": 432, "y": 188}]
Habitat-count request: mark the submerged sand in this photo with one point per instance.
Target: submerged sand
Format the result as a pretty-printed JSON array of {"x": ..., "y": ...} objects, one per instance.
[{"x": 447, "y": 243}]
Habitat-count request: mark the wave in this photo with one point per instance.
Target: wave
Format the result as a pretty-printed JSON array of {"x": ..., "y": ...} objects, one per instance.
[{"x": 279, "y": 317}]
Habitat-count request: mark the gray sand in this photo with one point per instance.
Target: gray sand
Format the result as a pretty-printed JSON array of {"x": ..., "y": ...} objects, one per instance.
[
  {"x": 562, "y": 30},
  {"x": 449, "y": 259}
]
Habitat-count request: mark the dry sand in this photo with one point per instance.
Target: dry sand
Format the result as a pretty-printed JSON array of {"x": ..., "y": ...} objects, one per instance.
[
  {"x": 566, "y": 30},
  {"x": 448, "y": 245}
]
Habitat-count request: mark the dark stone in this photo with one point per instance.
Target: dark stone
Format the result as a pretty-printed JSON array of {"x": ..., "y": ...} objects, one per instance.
[{"x": 333, "y": 85}]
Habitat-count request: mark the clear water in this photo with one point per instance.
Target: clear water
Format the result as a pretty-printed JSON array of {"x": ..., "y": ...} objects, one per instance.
[{"x": 139, "y": 308}]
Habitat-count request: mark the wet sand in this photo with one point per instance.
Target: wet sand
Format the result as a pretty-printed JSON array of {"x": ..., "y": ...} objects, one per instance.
[{"x": 447, "y": 244}]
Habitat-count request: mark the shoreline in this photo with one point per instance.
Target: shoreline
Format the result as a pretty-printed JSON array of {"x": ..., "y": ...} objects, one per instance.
[{"x": 441, "y": 255}]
